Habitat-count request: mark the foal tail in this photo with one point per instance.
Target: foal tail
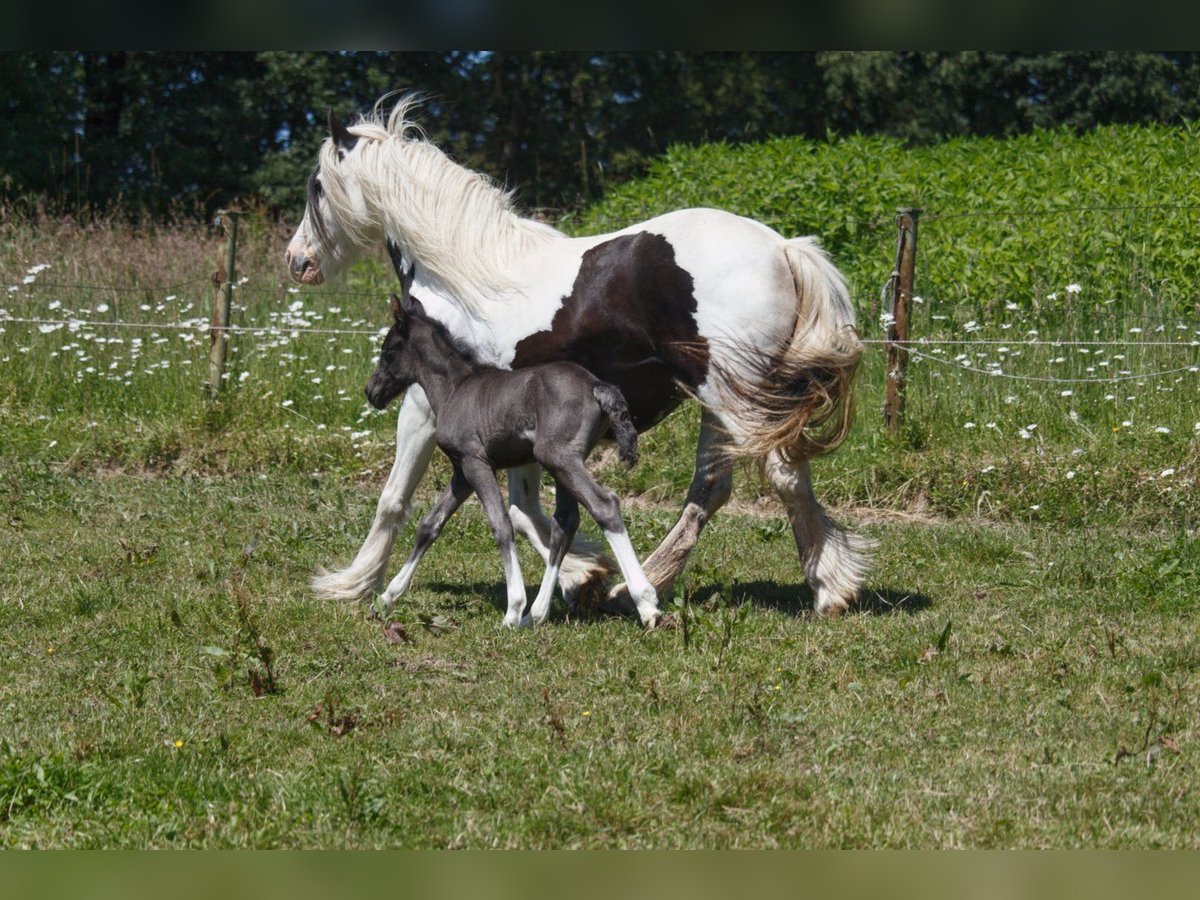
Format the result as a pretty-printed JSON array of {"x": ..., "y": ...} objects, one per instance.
[
  {"x": 797, "y": 403},
  {"x": 612, "y": 402}
]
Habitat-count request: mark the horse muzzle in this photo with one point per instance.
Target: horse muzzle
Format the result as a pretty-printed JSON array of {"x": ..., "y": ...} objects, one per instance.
[
  {"x": 303, "y": 269},
  {"x": 381, "y": 391}
]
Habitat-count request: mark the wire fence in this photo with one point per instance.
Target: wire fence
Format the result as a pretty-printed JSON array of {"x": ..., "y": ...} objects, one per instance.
[{"x": 925, "y": 348}]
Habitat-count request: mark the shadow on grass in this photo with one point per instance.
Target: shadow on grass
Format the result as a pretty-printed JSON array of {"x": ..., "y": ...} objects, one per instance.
[
  {"x": 791, "y": 599},
  {"x": 797, "y": 599}
]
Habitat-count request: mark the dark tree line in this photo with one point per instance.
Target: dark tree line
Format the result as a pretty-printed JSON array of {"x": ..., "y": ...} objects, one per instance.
[{"x": 159, "y": 131}]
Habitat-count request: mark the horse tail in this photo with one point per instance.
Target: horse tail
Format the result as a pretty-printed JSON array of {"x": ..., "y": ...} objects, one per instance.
[
  {"x": 612, "y": 402},
  {"x": 797, "y": 403}
]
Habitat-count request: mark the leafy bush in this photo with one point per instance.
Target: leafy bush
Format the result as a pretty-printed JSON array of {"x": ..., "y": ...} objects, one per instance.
[{"x": 996, "y": 225}]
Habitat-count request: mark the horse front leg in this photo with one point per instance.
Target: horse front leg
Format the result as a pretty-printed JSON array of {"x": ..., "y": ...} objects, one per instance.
[
  {"x": 415, "y": 429},
  {"x": 711, "y": 486},
  {"x": 586, "y": 570}
]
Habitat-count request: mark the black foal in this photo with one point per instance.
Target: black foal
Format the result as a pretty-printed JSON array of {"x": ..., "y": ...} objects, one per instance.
[{"x": 489, "y": 419}]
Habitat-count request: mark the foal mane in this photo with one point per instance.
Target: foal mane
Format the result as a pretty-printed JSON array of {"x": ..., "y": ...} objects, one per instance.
[
  {"x": 457, "y": 345},
  {"x": 460, "y": 227}
]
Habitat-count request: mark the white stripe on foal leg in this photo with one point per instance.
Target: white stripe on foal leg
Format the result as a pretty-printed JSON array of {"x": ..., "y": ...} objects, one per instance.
[
  {"x": 640, "y": 588},
  {"x": 400, "y": 583},
  {"x": 515, "y": 587},
  {"x": 541, "y": 603}
]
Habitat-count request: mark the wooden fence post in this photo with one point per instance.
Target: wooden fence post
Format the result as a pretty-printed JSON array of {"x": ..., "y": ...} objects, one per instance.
[
  {"x": 222, "y": 304},
  {"x": 897, "y": 329}
]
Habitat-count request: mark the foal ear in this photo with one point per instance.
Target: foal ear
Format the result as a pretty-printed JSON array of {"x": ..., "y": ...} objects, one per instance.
[
  {"x": 412, "y": 306},
  {"x": 341, "y": 135},
  {"x": 397, "y": 309}
]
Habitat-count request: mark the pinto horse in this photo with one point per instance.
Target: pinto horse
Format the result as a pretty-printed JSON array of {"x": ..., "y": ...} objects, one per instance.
[{"x": 696, "y": 303}]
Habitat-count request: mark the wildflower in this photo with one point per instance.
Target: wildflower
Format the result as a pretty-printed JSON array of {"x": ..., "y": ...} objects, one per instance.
[
  {"x": 286, "y": 403},
  {"x": 987, "y": 469},
  {"x": 49, "y": 651},
  {"x": 1035, "y": 507},
  {"x": 1163, "y": 429},
  {"x": 587, "y": 712},
  {"x": 1065, "y": 393},
  {"x": 1010, "y": 305},
  {"x": 1166, "y": 473},
  {"x": 1070, "y": 475},
  {"x": 968, "y": 424},
  {"x": 1073, "y": 289},
  {"x": 101, "y": 307},
  {"x": 178, "y": 745}
]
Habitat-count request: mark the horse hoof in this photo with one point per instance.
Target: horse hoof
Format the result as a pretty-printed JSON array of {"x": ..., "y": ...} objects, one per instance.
[
  {"x": 618, "y": 601},
  {"x": 662, "y": 622}
]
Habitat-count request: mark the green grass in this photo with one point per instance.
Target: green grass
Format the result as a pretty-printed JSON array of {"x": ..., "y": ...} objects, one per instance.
[
  {"x": 1022, "y": 671},
  {"x": 1003, "y": 685}
]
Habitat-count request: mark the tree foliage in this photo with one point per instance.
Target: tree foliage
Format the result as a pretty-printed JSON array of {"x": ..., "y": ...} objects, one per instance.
[{"x": 155, "y": 130}]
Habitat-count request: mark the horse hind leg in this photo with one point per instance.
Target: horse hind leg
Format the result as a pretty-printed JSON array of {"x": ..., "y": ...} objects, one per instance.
[
  {"x": 835, "y": 561},
  {"x": 586, "y": 570},
  {"x": 711, "y": 486}
]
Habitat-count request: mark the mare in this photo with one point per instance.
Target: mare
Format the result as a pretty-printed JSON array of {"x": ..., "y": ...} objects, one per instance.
[{"x": 695, "y": 303}]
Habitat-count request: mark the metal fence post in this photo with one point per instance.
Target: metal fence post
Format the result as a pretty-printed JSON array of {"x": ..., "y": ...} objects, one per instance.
[
  {"x": 222, "y": 304},
  {"x": 897, "y": 329}
]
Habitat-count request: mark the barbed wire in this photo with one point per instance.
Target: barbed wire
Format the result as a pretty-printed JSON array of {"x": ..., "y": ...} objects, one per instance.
[
  {"x": 194, "y": 325},
  {"x": 1051, "y": 342},
  {"x": 1000, "y": 214},
  {"x": 205, "y": 325},
  {"x": 1050, "y": 379},
  {"x": 238, "y": 288},
  {"x": 116, "y": 289}
]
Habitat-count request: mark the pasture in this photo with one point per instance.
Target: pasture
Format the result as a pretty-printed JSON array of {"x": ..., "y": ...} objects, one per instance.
[{"x": 1022, "y": 671}]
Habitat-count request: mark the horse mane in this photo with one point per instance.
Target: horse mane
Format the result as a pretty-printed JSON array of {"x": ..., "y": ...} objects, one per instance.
[{"x": 459, "y": 226}]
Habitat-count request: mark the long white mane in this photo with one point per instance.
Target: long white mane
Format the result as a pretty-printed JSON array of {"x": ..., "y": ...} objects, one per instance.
[{"x": 455, "y": 223}]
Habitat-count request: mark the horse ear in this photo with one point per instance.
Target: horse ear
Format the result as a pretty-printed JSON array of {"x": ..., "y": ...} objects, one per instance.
[{"x": 341, "y": 135}]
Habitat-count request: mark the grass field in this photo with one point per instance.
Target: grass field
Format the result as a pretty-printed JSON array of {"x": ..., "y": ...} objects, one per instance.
[
  {"x": 1003, "y": 686},
  {"x": 1022, "y": 671}
]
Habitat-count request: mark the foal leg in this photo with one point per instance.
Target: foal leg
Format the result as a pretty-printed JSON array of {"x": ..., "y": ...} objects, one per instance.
[
  {"x": 415, "y": 429},
  {"x": 586, "y": 569},
  {"x": 427, "y": 532},
  {"x": 606, "y": 510},
  {"x": 562, "y": 529},
  {"x": 711, "y": 486},
  {"x": 483, "y": 480},
  {"x": 835, "y": 561}
]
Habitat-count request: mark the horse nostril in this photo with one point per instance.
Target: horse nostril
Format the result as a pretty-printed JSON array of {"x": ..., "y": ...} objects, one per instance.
[{"x": 300, "y": 262}]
